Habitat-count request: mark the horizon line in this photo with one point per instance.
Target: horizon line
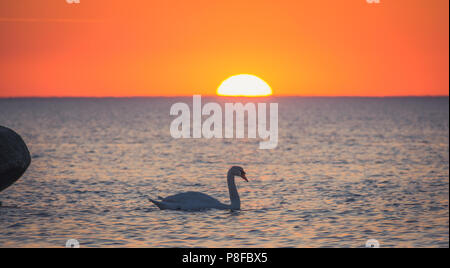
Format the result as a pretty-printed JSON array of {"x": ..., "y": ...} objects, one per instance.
[{"x": 217, "y": 96}]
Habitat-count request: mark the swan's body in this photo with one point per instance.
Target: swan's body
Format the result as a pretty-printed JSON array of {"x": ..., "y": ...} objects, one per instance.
[
  {"x": 200, "y": 201},
  {"x": 190, "y": 201}
]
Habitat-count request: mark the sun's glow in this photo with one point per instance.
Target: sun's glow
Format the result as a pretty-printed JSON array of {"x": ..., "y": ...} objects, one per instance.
[{"x": 244, "y": 85}]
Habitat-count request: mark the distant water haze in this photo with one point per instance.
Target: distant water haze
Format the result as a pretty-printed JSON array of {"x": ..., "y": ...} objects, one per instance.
[{"x": 345, "y": 170}]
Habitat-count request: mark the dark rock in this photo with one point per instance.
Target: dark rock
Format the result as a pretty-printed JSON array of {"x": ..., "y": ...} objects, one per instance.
[{"x": 14, "y": 157}]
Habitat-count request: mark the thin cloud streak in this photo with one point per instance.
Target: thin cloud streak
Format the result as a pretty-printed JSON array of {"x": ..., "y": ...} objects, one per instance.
[{"x": 50, "y": 20}]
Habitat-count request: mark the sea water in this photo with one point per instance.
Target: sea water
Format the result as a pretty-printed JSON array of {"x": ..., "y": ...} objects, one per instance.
[{"x": 345, "y": 170}]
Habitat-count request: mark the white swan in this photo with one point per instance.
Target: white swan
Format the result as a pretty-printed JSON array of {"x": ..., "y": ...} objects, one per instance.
[{"x": 200, "y": 201}]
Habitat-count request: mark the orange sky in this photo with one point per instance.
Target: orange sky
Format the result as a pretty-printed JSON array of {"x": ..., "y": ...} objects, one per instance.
[{"x": 173, "y": 47}]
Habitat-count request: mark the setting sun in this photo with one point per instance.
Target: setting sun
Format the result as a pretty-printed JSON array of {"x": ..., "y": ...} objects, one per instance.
[{"x": 244, "y": 85}]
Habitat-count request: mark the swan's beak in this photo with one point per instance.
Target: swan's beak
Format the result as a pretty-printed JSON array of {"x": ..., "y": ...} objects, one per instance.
[{"x": 244, "y": 177}]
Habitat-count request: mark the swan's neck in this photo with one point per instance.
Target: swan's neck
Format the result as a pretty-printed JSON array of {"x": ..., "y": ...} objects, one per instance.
[{"x": 234, "y": 196}]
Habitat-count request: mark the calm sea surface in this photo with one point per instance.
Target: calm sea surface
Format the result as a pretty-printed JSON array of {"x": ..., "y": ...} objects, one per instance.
[{"x": 345, "y": 171}]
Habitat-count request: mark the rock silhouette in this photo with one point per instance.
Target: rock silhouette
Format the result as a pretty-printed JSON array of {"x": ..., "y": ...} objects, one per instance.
[{"x": 14, "y": 157}]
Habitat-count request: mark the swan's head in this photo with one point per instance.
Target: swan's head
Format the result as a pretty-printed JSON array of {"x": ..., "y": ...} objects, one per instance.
[{"x": 238, "y": 171}]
